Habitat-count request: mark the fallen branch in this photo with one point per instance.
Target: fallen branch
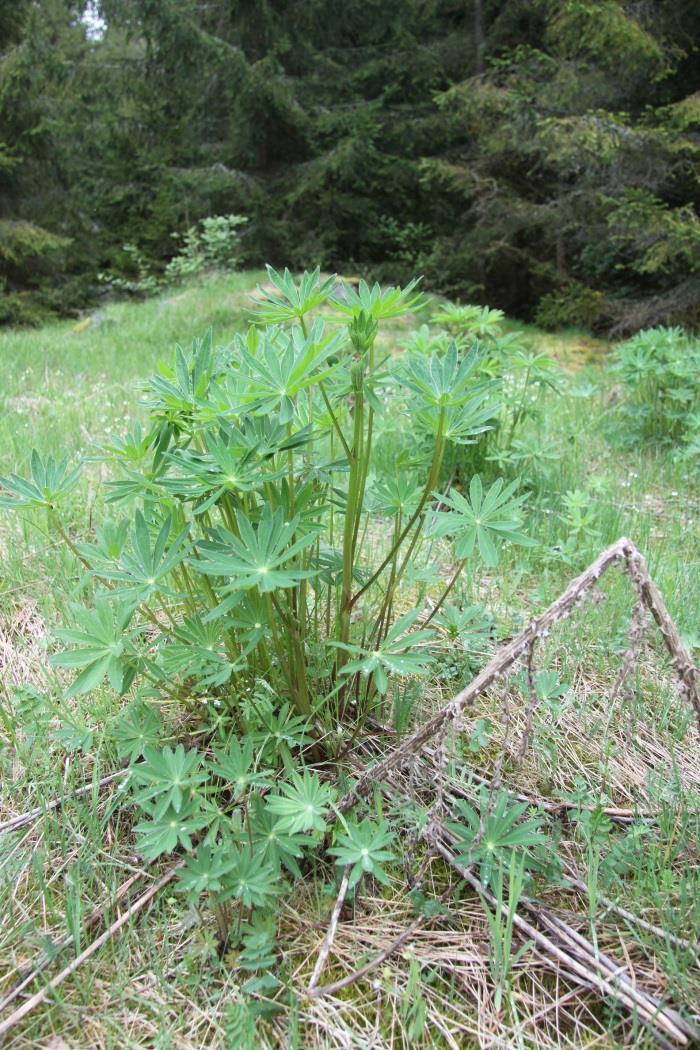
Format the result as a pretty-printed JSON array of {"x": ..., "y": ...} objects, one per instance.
[
  {"x": 610, "y": 905},
  {"x": 385, "y": 953},
  {"x": 332, "y": 927},
  {"x": 623, "y": 551},
  {"x": 132, "y": 910},
  {"x": 47, "y": 957},
  {"x": 22, "y": 819},
  {"x": 583, "y": 961}
]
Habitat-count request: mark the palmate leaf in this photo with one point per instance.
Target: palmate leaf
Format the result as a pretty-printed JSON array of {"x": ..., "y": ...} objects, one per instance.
[
  {"x": 364, "y": 846},
  {"x": 475, "y": 320},
  {"x": 394, "y": 495},
  {"x": 50, "y": 481},
  {"x": 398, "y": 654},
  {"x": 289, "y": 301},
  {"x": 283, "y": 365},
  {"x": 236, "y": 766},
  {"x": 258, "y": 557},
  {"x": 380, "y": 304},
  {"x": 277, "y": 847},
  {"x": 204, "y": 477},
  {"x": 250, "y": 880},
  {"x": 138, "y": 728},
  {"x": 167, "y": 778},
  {"x": 483, "y": 521},
  {"x": 442, "y": 381},
  {"x": 196, "y": 649},
  {"x": 281, "y": 731},
  {"x": 100, "y": 646},
  {"x": 491, "y": 836},
  {"x": 180, "y": 388},
  {"x": 144, "y": 570},
  {"x": 205, "y": 872},
  {"x": 172, "y": 829},
  {"x": 303, "y": 803}
]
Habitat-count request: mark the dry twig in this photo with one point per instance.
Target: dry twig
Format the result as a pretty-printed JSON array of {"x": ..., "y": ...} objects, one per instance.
[
  {"x": 622, "y": 551},
  {"x": 22, "y": 819},
  {"x": 330, "y": 936},
  {"x": 132, "y": 910}
]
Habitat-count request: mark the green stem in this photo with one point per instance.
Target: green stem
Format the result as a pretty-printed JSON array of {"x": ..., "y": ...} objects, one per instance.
[
  {"x": 430, "y": 485},
  {"x": 356, "y": 468},
  {"x": 446, "y": 592},
  {"x": 335, "y": 422}
]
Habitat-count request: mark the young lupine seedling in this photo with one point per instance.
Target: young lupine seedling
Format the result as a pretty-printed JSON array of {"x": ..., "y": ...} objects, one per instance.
[{"x": 255, "y": 589}]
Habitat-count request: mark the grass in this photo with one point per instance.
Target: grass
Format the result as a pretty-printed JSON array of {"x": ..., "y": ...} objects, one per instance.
[{"x": 161, "y": 983}]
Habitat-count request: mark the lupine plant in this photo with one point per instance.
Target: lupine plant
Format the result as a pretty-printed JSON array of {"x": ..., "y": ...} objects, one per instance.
[
  {"x": 253, "y": 598},
  {"x": 519, "y": 377},
  {"x": 659, "y": 370}
]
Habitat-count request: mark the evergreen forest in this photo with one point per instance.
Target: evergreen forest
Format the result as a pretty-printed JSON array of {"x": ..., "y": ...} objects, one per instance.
[{"x": 540, "y": 156}]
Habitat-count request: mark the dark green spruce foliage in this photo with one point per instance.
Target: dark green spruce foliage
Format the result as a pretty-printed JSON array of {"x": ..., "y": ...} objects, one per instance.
[
  {"x": 540, "y": 155},
  {"x": 251, "y": 599}
]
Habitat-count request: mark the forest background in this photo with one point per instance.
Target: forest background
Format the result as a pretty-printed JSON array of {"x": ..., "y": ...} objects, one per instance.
[{"x": 537, "y": 155}]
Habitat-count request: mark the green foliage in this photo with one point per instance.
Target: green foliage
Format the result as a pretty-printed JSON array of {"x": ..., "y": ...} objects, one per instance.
[
  {"x": 213, "y": 244},
  {"x": 537, "y": 156},
  {"x": 660, "y": 373},
  {"x": 495, "y": 836},
  {"x": 226, "y": 589},
  {"x": 482, "y": 521},
  {"x": 576, "y": 306},
  {"x": 363, "y": 846}
]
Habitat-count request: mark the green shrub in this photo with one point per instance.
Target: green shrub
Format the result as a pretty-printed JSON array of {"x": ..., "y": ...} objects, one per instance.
[
  {"x": 213, "y": 244},
  {"x": 576, "y": 306},
  {"x": 660, "y": 373},
  {"x": 515, "y": 381}
]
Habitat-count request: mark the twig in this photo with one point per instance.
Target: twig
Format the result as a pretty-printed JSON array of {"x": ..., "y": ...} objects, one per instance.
[
  {"x": 610, "y": 905},
  {"x": 23, "y": 819},
  {"x": 650, "y": 595},
  {"x": 586, "y": 964},
  {"x": 625, "y": 551},
  {"x": 132, "y": 910},
  {"x": 330, "y": 935},
  {"x": 357, "y": 975},
  {"x": 46, "y": 958}
]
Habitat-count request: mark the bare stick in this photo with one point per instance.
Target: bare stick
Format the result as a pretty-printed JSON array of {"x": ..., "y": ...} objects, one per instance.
[
  {"x": 624, "y": 550},
  {"x": 610, "y": 905},
  {"x": 651, "y": 596},
  {"x": 357, "y": 975},
  {"x": 330, "y": 935},
  {"x": 132, "y": 910},
  {"x": 501, "y": 662},
  {"x": 650, "y": 1010},
  {"x": 23, "y": 819},
  {"x": 46, "y": 958}
]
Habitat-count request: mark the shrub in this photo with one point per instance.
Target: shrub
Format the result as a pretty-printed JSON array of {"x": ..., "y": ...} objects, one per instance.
[
  {"x": 242, "y": 598},
  {"x": 660, "y": 372},
  {"x": 576, "y": 306},
  {"x": 515, "y": 381},
  {"x": 213, "y": 244}
]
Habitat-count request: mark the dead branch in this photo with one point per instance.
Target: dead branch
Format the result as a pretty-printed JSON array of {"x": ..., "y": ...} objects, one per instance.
[
  {"x": 623, "y": 551},
  {"x": 357, "y": 975},
  {"x": 132, "y": 910},
  {"x": 22, "y": 819},
  {"x": 330, "y": 936},
  {"x": 650, "y": 595},
  {"x": 680, "y": 942},
  {"x": 578, "y": 957}
]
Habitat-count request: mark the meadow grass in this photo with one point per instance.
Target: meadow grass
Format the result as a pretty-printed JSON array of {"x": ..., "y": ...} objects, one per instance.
[{"x": 161, "y": 983}]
